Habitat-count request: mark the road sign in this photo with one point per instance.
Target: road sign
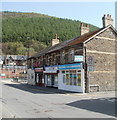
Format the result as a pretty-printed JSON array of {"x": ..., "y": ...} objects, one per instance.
[
  {"x": 90, "y": 68},
  {"x": 90, "y": 61}
]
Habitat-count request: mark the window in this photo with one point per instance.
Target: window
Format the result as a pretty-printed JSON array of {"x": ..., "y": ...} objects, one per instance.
[
  {"x": 57, "y": 59},
  {"x": 66, "y": 58},
  {"x": 72, "y": 77},
  {"x": 53, "y": 60},
  {"x": 64, "y": 81},
  {"x": 62, "y": 57},
  {"x": 71, "y": 56}
]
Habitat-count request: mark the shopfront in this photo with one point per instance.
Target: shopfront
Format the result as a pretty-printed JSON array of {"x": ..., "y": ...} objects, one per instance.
[
  {"x": 71, "y": 77},
  {"x": 51, "y": 76},
  {"x": 39, "y": 77}
]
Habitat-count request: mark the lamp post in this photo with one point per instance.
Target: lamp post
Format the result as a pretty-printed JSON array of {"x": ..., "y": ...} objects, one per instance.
[
  {"x": 23, "y": 67},
  {"x": 13, "y": 70},
  {"x": 28, "y": 52}
]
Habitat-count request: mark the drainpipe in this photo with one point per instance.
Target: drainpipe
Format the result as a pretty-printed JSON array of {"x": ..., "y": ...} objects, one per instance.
[{"x": 85, "y": 71}]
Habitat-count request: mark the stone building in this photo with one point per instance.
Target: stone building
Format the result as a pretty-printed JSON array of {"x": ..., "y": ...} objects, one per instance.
[{"x": 82, "y": 64}]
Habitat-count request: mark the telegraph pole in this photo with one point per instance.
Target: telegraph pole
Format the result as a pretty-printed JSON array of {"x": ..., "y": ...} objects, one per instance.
[{"x": 28, "y": 51}]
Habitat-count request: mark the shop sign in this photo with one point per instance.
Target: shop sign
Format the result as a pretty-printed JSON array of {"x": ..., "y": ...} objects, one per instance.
[
  {"x": 38, "y": 69},
  {"x": 78, "y": 58},
  {"x": 35, "y": 64},
  {"x": 51, "y": 69},
  {"x": 70, "y": 66}
]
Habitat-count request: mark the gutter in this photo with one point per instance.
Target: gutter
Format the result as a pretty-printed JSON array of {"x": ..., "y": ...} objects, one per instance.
[{"x": 85, "y": 70}]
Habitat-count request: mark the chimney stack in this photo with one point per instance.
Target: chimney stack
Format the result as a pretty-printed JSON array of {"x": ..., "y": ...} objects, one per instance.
[
  {"x": 84, "y": 28},
  {"x": 107, "y": 20},
  {"x": 55, "y": 40}
]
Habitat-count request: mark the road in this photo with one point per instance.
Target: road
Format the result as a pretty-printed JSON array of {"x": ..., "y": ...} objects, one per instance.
[{"x": 19, "y": 101}]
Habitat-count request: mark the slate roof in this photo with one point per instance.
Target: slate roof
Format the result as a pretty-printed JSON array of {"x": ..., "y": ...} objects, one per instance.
[
  {"x": 16, "y": 57},
  {"x": 77, "y": 40}
]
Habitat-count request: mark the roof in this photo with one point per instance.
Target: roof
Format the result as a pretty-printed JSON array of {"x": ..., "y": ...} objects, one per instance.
[
  {"x": 77, "y": 40},
  {"x": 16, "y": 57}
]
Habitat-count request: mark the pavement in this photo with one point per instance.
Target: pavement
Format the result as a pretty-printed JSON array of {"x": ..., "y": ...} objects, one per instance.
[
  {"x": 24, "y": 85},
  {"x": 20, "y": 100}
]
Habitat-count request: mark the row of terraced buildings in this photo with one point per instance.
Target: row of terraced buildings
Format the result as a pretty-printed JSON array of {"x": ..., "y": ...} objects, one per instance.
[{"x": 82, "y": 64}]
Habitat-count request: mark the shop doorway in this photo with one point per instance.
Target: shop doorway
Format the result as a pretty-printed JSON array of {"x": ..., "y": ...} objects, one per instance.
[
  {"x": 39, "y": 79},
  {"x": 52, "y": 80}
]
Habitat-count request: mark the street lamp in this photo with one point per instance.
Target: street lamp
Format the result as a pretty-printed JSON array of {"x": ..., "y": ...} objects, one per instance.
[
  {"x": 13, "y": 70},
  {"x": 28, "y": 52}
]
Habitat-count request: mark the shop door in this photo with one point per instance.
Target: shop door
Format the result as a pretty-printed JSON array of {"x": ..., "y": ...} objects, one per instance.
[
  {"x": 52, "y": 80},
  {"x": 36, "y": 78},
  {"x": 40, "y": 78}
]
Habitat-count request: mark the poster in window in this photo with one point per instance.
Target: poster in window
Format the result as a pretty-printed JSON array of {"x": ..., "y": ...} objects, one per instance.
[
  {"x": 67, "y": 79},
  {"x": 75, "y": 79},
  {"x": 79, "y": 79},
  {"x": 71, "y": 77}
]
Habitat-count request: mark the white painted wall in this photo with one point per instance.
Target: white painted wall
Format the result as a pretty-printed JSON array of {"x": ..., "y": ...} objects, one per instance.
[
  {"x": 31, "y": 77},
  {"x": 72, "y": 88}
]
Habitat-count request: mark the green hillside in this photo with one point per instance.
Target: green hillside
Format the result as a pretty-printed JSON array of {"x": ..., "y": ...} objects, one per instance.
[{"x": 19, "y": 28}]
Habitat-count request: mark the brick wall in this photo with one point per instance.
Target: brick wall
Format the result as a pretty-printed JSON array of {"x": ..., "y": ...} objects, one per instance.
[{"x": 9, "y": 74}]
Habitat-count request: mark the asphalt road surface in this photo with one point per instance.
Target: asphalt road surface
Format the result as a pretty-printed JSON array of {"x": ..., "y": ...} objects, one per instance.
[{"x": 21, "y": 101}]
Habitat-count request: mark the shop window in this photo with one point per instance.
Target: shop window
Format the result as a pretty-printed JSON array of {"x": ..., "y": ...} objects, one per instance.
[
  {"x": 72, "y": 77},
  {"x": 75, "y": 79},
  {"x": 48, "y": 79},
  {"x": 64, "y": 81},
  {"x": 56, "y": 80}
]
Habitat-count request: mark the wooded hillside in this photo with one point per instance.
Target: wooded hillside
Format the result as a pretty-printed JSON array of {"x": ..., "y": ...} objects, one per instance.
[{"x": 19, "y": 28}]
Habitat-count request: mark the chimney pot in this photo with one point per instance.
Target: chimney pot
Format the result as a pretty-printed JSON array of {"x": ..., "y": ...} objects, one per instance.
[
  {"x": 81, "y": 24},
  {"x": 55, "y": 40},
  {"x": 87, "y": 25},
  {"x": 107, "y": 20},
  {"x": 84, "y": 29}
]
